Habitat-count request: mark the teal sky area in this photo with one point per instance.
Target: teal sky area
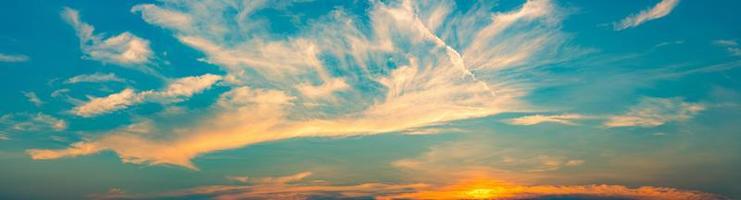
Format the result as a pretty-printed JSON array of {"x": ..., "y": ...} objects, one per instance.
[{"x": 379, "y": 99}]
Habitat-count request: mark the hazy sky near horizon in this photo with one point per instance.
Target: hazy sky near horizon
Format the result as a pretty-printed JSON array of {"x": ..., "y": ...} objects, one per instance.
[{"x": 387, "y": 99}]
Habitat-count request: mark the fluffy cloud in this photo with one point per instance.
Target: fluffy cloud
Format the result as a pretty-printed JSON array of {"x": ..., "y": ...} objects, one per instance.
[
  {"x": 125, "y": 49},
  {"x": 13, "y": 58},
  {"x": 567, "y": 119},
  {"x": 660, "y": 10},
  {"x": 94, "y": 78},
  {"x": 408, "y": 69},
  {"x": 478, "y": 188},
  {"x": 651, "y": 112},
  {"x": 174, "y": 92}
]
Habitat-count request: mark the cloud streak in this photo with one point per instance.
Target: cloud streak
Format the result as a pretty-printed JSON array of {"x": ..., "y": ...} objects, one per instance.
[
  {"x": 567, "y": 119},
  {"x": 13, "y": 58},
  {"x": 730, "y": 45},
  {"x": 651, "y": 112},
  {"x": 94, "y": 78},
  {"x": 33, "y": 98},
  {"x": 125, "y": 49},
  {"x": 28, "y": 122},
  {"x": 175, "y": 91},
  {"x": 660, "y": 10}
]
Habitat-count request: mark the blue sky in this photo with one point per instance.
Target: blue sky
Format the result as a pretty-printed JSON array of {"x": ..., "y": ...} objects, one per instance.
[{"x": 370, "y": 99}]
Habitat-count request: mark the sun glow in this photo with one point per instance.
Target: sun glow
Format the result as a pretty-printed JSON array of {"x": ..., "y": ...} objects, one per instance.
[{"x": 481, "y": 193}]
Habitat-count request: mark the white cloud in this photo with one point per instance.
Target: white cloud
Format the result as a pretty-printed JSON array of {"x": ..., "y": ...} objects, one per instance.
[
  {"x": 651, "y": 112},
  {"x": 567, "y": 119},
  {"x": 33, "y": 98},
  {"x": 396, "y": 75},
  {"x": 730, "y": 45},
  {"x": 168, "y": 18},
  {"x": 175, "y": 91},
  {"x": 324, "y": 90},
  {"x": 125, "y": 49},
  {"x": 110, "y": 103},
  {"x": 187, "y": 86},
  {"x": 13, "y": 58},
  {"x": 27, "y": 122},
  {"x": 94, "y": 78},
  {"x": 661, "y": 9}
]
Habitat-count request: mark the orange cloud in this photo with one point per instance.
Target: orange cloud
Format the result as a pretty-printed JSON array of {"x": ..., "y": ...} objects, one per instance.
[
  {"x": 492, "y": 189},
  {"x": 296, "y": 187}
]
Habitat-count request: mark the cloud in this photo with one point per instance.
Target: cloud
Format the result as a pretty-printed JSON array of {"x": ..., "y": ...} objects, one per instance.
[
  {"x": 492, "y": 189},
  {"x": 28, "y": 122},
  {"x": 33, "y": 98},
  {"x": 175, "y": 91},
  {"x": 651, "y": 112},
  {"x": 155, "y": 15},
  {"x": 94, "y": 78},
  {"x": 240, "y": 179},
  {"x": 475, "y": 188},
  {"x": 323, "y": 90},
  {"x": 13, "y": 58},
  {"x": 481, "y": 156},
  {"x": 730, "y": 45},
  {"x": 661, "y": 9},
  {"x": 566, "y": 119},
  {"x": 188, "y": 86},
  {"x": 395, "y": 74},
  {"x": 76, "y": 149},
  {"x": 124, "y": 49},
  {"x": 100, "y": 105}
]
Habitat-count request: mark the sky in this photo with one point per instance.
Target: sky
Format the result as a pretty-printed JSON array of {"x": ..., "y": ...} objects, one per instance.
[{"x": 377, "y": 99}]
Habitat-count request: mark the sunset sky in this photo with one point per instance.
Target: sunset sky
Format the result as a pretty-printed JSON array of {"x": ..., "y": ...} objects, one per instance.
[{"x": 370, "y": 99}]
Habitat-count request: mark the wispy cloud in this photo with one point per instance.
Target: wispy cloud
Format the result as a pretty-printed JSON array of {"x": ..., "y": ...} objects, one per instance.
[
  {"x": 13, "y": 58},
  {"x": 110, "y": 103},
  {"x": 324, "y": 90},
  {"x": 33, "y": 98},
  {"x": 175, "y": 91},
  {"x": 94, "y": 78},
  {"x": 567, "y": 119},
  {"x": 660, "y": 10},
  {"x": 651, "y": 112},
  {"x": 30, "y": 122},
  {"x": 239, "y": 179},
  {"x": 125, "y": 49},
  {"x": 273, "y": 80},
  {"x": 730, "y": 45}
]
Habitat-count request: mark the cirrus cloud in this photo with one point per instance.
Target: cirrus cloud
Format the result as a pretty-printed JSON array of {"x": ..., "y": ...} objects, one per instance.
[
  {"x": 660, "y": 10},
  {"x": 124, "y": 49},
  {"x": 403, "y": 86},
  {"x": 651, "y": 112},
  {"x": 175, "y": 91}
]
